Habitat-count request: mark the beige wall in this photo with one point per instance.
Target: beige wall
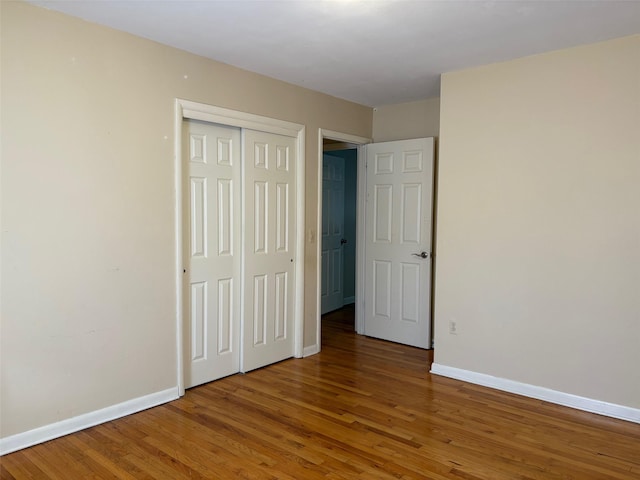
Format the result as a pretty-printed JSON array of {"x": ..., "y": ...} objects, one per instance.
[
  {"x": 407, "y": 120},
  {"x": 88, "y": 294},
  {"x": 539, "y": 223}
]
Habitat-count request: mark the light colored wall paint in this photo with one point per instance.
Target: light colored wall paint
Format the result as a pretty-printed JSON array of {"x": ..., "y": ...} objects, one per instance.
[
  {"x": 407, "y": 120},
  {"x": 538, "y": 223},
  {"x": 88, "y": 296}
]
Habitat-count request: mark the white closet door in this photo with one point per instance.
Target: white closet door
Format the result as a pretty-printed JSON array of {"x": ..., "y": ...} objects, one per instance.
[
  {"x": 211, "y": 202},
  {"x": 269, "y": 248},
  {"x": 398, "y": 241}
]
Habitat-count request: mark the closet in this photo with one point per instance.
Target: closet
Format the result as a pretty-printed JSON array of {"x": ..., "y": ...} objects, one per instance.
[{"x": 239, "y": 249}]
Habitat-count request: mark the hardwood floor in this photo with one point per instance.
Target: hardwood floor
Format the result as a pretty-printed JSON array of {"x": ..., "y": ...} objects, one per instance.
[{"x": 361, "y": 409}]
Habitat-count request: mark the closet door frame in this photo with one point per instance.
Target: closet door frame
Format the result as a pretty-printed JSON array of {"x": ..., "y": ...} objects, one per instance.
[{"x": 185, "y": 109}]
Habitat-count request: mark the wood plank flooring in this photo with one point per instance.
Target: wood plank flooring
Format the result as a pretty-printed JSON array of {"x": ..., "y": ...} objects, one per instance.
[{"x": 361, "y": 409}]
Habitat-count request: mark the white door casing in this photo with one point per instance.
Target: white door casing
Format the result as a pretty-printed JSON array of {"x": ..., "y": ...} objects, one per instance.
[
  {"x": 398, "y": 229},
  {"x": 332, "y": 296},
  {"x": 269, "y": 248},
  {"x": 212, "y": 256},
  {"x": 359, "y": 142}
]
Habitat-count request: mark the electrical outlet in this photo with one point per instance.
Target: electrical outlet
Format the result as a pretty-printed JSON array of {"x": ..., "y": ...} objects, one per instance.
[{"x": 453, "y": 327}]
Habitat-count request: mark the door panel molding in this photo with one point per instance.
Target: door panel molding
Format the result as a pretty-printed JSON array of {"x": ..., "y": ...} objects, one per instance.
[{"x": 186, "y": 109}]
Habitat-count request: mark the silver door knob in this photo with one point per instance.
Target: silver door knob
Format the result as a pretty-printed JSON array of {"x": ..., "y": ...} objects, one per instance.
[{"x": 421, "y": 255}]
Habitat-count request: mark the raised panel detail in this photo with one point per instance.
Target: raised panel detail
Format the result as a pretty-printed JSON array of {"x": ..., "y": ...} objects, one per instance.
[
  {"x": 282, "y": 217},
  {"x": 324, "y": 291},
  {"x": 261, "y": 155},
  {"x": 197, "y": 148},
  {"x": 268, "y": 248},
  {"x": 336, "y": 261},
  {"x": 259, "y": 309},
  {"x": 326, "y": 205},
  {"x": 383, "y": 163},
  {"x": 398, "y": 229},
  {"x": 260, "y": 217},
  {"x": 225, "y": 217},
  {"x": 410, "y": 294},
  {"x": 337, "y": 173},
  {"x": 281, "y": 306},
  {"x": 411, "y": 212},
  {"x": 198, "y": 321},
  {"x": 332, "y": 172},
  {"x": 224, "y": 152},
  {"x": 213, "y": 193},
  {"x": 412, "y": 161},
  {"x": 382, "y": 288},
  {"x": 198, "y": 213},
  {"x": 382, "y": 208},
  {"x": 337, "y": 202},
  {"x": 282, "y": 158},
  {"x": 225, "y": 315}
]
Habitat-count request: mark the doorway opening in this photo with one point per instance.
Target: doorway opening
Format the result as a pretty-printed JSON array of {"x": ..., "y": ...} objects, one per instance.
[
  {"x": 392, "y": 296},
  {"x": 344, "y": 149},
  {"x": 338, "y": 234}
]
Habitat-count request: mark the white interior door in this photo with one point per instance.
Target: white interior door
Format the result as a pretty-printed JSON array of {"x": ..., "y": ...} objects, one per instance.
[
  {"x": 212, "y": 208},
  {"x": 269, "y": 248},
  {"x": 332, "y": 296},
  {"x": 398, "y": 241}
]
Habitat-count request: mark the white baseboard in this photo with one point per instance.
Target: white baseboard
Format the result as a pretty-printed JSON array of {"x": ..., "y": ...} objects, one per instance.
[
  {"x": 561, "y": 398},
  {"x": 311, "y": 350},
  {"x": 74, "y": 424},
  {"x": 348, "y": 300}
]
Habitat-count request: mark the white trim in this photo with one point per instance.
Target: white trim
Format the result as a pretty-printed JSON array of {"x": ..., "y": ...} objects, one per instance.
[
  {"x": 311, "y": 350},
  {"x": 356, "y": 140},
  {"x": 361, "y": 208},
  {"x": 298, "y": 326},
  {"x": 224, "y": 116},
  {"x": 74, "y": 424},
  {"x": 553, "y": 396},
  {"x": 177, "y": 187},
  {"x": 348, "y": 300},
  {"x": 234, "y": 118},
  {"x": 318, "y": 236},
  {"x": 243, "y": 236}
]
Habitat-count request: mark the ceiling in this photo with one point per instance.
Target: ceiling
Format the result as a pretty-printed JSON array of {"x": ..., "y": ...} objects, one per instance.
[{"x": 370, "y": 52}]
